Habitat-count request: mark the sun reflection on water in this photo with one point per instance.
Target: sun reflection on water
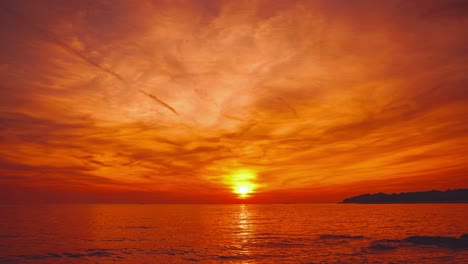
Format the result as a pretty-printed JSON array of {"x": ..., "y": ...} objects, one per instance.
[{"x": 245, "y": 230}]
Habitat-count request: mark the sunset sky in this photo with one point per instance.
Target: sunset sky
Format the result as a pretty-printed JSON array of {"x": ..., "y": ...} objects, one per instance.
[{"x": 201, "y": 101}]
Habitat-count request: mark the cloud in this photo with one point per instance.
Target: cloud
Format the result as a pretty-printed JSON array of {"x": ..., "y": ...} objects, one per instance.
[{"x": 322, "y": 97}]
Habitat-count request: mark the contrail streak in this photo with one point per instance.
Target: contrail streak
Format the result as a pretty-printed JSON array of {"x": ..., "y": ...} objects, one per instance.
[
  {"x": 159, "y": 101},
  {"x": 288, "y": 106},
  {"x": 51, "y": 37}
]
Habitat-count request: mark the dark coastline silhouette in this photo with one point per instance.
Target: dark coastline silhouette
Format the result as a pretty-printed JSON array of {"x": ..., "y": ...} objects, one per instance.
[{"x": 448, "y": 196}]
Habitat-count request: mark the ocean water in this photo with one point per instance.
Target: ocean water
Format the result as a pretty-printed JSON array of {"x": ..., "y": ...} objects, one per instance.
[{"x": 290, "y": 233}]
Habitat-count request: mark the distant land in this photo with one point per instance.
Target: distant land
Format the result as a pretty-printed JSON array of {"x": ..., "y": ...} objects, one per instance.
[{"x": 449, "y": 196}]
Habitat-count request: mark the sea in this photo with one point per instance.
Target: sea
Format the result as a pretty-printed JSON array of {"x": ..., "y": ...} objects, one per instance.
[{"x": 235, "y": 233}]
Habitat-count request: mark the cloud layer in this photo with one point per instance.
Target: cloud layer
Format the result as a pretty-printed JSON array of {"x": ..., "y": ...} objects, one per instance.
[{"x": 165, "y": 100}]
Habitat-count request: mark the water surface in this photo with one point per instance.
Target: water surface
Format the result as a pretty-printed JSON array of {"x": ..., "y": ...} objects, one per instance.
[{"x": 292, "y": 233}]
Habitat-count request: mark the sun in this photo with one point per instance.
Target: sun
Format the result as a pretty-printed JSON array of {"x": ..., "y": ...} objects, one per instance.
[
  {"x": 243, "y": 190},
  {"x": 243, "y": 182}
]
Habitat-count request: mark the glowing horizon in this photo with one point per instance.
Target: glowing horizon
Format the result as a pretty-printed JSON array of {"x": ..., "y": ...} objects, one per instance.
[{"x": 231, "y": 101}]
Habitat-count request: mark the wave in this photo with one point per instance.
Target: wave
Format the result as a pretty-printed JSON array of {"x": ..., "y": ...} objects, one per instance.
[
  {"x": 93, "y": 252},
  {"x": 137, "y": 227},
  {"x": 331, "y": 236},
  {"x": 438, "y": 241}
]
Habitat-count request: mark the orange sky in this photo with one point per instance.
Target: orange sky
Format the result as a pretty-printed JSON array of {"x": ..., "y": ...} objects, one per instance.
[{"x": 184, "y": 101}]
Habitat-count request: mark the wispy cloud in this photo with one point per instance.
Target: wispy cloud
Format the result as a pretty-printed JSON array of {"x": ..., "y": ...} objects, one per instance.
[{"x": 319, "y": 99}]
